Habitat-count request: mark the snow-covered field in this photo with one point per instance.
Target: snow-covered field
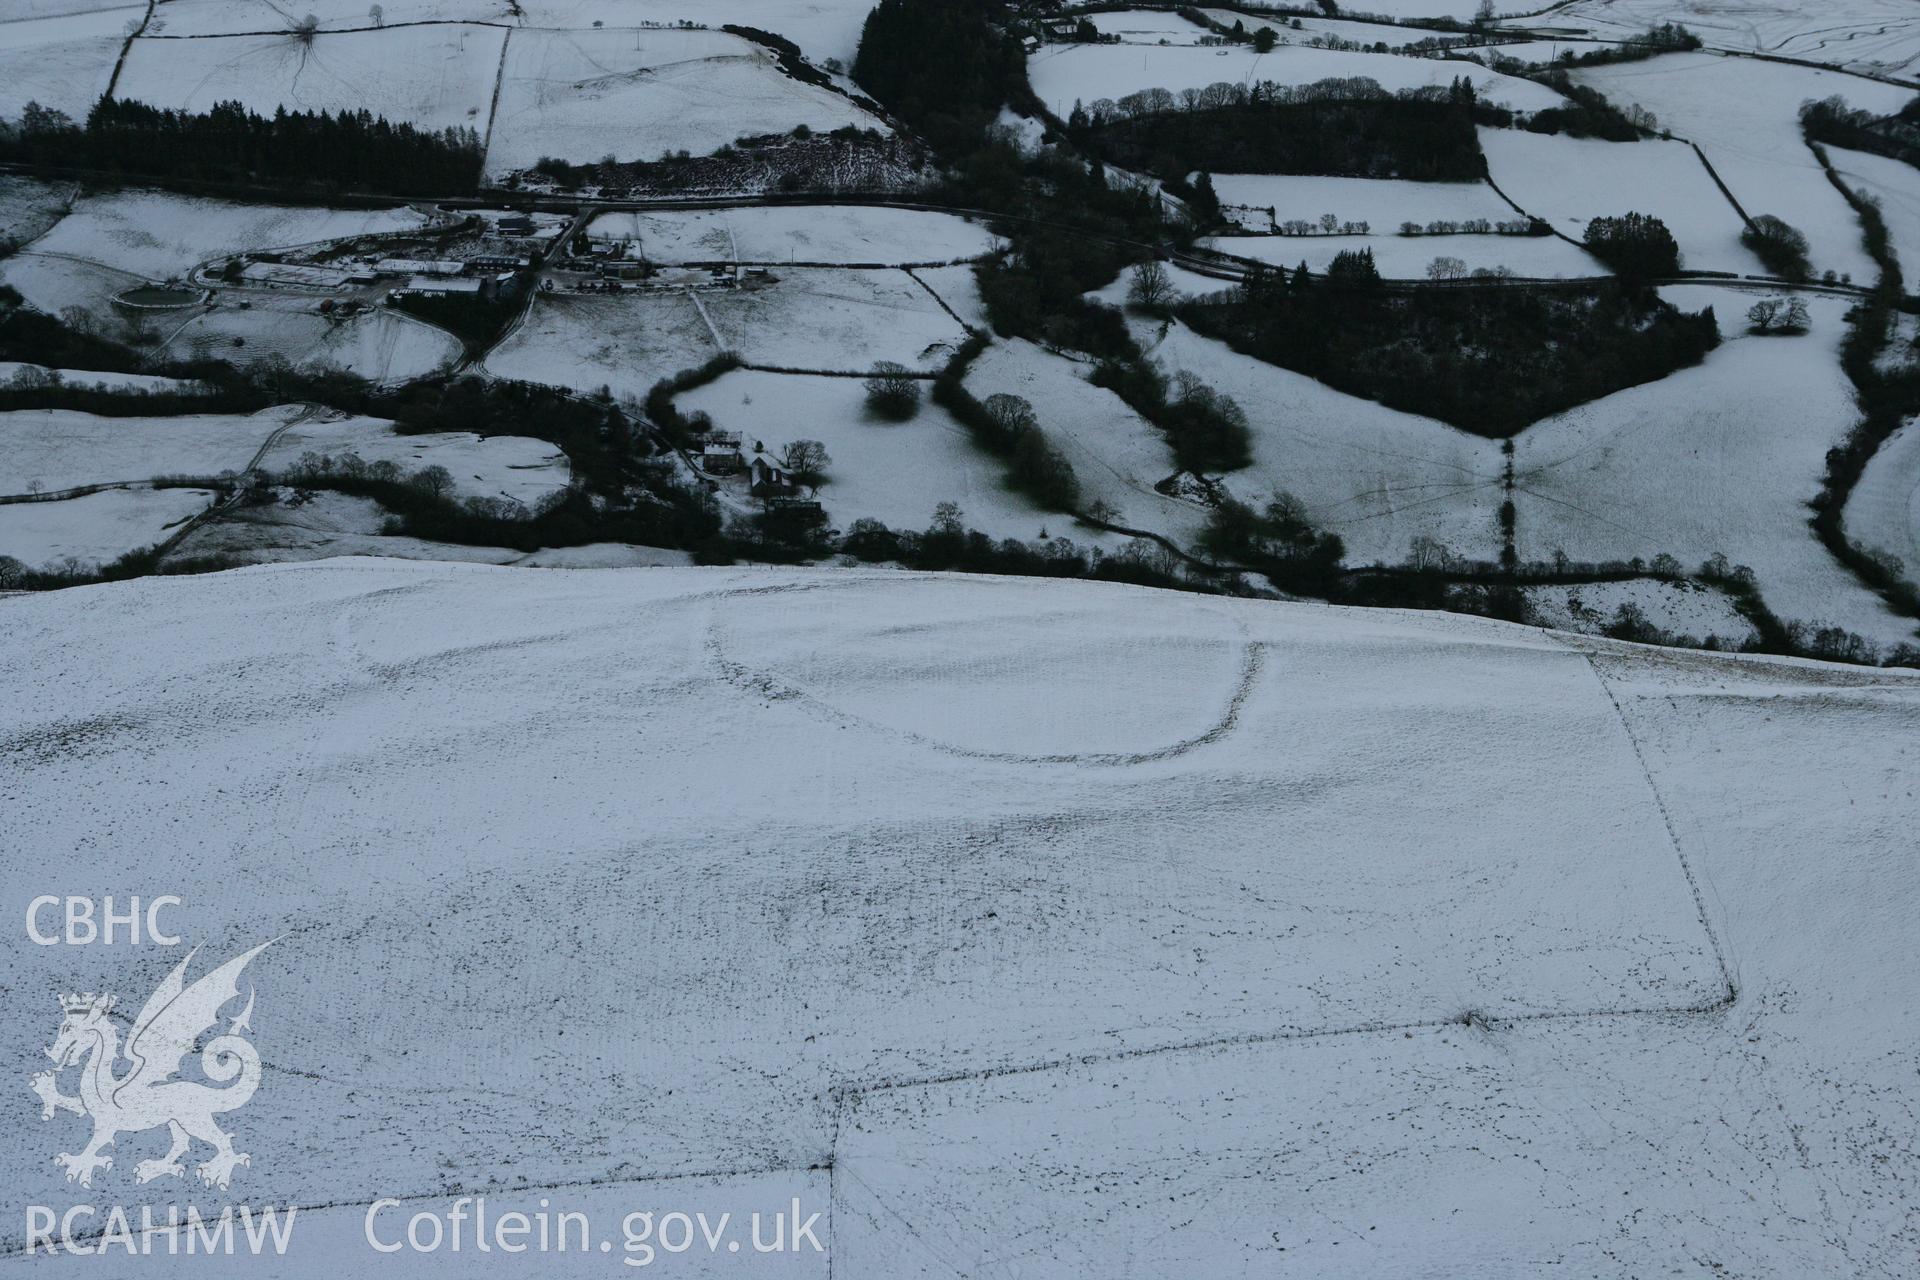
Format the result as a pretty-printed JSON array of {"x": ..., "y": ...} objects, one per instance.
[
  {"x": 1117, "y": 455},
  {"x": 321, "y": 525},
  {"x": 243, "y": 17},
  {"x": 1148, "y": 26},
  {"x": 10, "y": 370},
  {"x": 796, "y": 233},
  {"x": 1896, "y": 185},
  {"x": 1382, "y": 203},
  {"x": 64, "y": 448},
  {"x": 635, "y": 94},
  {"x": 959, "y": 288},
  {"x": 1723, "y": 457},
  {"x": 893, "y": 472},
  {"x": 63, "y": 63},
  {"x": 28, "y": 10},
  {"x": 28, "y": 208},
  {"x": 1881, "y": 36},
  {"x": 1377, "y": 477},
  {"x": 1365, "y": 33},
  {"x": 1570, "y": 181},
  {"x": 435, "y": 76},
  {"x": 55, "y": 283},
  {"x": 1013, "y": 925},
  {"x": 835, "y": 320},
  {"x": 97, "y": 528},
  {"x": 1883, "y": 511},
  {"x": 824, "y": 29},
  {"x": 160, "y": 236},
  {"x": 381, "y": 345},
  {"x": 626, "y": 343},
  {"x": 1404, "y": 9},
  {"x": 1688, "y": 609},
  {"x": 1745, "y": 116},
  {"x": 517, "y": 467},
  {"x": 1064, "y": 74},
  {"x": 1407, "y": 257}
]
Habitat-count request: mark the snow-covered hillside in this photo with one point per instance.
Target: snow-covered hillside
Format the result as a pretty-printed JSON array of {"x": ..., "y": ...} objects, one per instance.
[{"x": 1018, "y": 926}]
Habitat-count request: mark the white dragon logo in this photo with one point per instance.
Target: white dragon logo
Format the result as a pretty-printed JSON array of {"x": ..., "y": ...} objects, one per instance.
[{"x": 150, "y": 1095}]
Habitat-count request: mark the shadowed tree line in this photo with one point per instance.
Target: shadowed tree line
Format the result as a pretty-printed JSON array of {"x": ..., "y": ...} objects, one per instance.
[{"x": 351, "y": 151}]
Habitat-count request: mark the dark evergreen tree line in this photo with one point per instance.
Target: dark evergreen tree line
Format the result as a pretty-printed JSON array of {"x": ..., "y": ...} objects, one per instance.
[
  {"x": 1421, "y": 134},
  {"x": 1489, "y": 359},
  {"x": 351, "y": 151},
  {"x": 941, "y": 66}
]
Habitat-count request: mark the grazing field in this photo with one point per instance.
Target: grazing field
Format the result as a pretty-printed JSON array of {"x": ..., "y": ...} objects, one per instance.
[
  {"x": 1117, "y": 455},
  {"x": 624, "y": 343},
  {"x": 1723, "y": 457},
  {"x": 1883, "y": 512},
  {"x": 1064, "y": 74},
  {"x": 1078, "y": 956},
  {"x": 437, "y": 77},
  {"x": 1745, "y": 115},
  {"x": 636, "y": 94},
  {"x": 1377, "y": 477},
  {"x": 892, "y": 472},
  {"x": 160, "y": 236},
  {"x": 1570, "y": 181},
  {"x": 796, "y": 233},
  {"x": 62, "y": 63},
  {"x": 97, "y": 528},
  {"x": 516, "y": 467},
  {"x": 835, "y": 320},
  {"x": 1408, "y": 257},
  {"x": 1382, "y": 203},
  {"x": 1880, "y": 36},
  {"x": 64, "y": 448}
]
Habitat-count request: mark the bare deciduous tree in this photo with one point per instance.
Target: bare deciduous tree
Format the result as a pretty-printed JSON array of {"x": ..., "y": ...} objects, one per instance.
[
  {"x": 807, "y": 461},
  {"x": 1763, "y": 314},
  {"x": 1012, "y": 415},
  {"x": 891, "y": 393},
  {"x": 1151, "y": 288}
]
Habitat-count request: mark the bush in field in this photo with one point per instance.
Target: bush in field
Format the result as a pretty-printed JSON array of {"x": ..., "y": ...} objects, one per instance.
[
  {"x": 1781, "y": 247},
  {"x": 1636, "y": 245},
  {"x": 891, "y": 393}
]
